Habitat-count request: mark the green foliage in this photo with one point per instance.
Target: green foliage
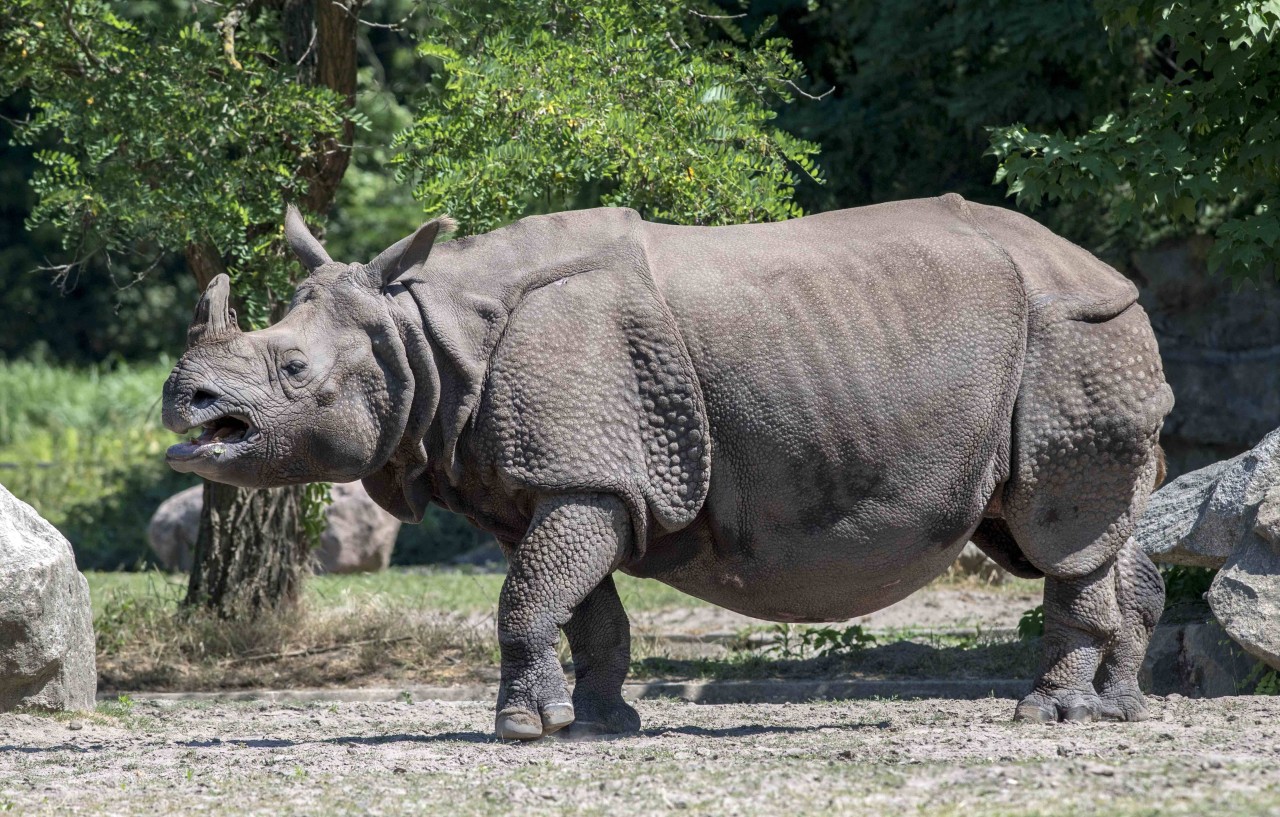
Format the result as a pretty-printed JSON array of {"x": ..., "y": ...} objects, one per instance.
[
  {"x": 1031, "y": 624},
  {"x": 604, "y": 102},
  {"x": 316, "y": 498},
  {"x": 801, "y": 643},
  {"x": 157, "y": 140},
  {"x": 85, "y": 449},
  {"x": 1195, "y": 149},
  {"x": 913, "y": 86},
  {"x": 1185, "y": 585},
  {"x": 1267, "y": 681}
]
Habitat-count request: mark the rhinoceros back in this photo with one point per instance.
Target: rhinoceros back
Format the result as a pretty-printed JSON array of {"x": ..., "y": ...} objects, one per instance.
[{"x": 1063, "y": 281}]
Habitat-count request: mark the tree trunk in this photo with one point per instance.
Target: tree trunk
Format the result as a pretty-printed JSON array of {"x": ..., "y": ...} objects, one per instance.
[
  {"x": 251, "y": 554},
  {"x": 252, "y": 551}
]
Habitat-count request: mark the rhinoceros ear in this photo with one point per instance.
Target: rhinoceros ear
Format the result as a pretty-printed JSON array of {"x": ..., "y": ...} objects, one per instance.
[
  {"x": 407, "y": 253},
  {"x": 214, "y": 319},
  {"x": 304, "y": 244}
]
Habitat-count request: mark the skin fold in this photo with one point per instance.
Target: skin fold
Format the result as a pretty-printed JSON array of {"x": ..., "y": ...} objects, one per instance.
[{"x": 802, "y": 421}]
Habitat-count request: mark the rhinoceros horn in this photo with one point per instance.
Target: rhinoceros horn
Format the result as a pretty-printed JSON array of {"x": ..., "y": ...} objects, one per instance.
[
  {"x": 214, "y": 319},
  {"x": 406, "y": 253},
  {"x": 304, "y": 244}
]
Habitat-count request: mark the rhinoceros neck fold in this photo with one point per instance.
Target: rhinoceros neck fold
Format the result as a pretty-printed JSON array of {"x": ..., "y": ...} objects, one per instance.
[{"x": 462, "y": 299}]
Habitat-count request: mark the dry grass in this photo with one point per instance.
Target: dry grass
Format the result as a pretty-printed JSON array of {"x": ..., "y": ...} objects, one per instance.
[
  {"x": 147, "y": 641},
  {"x": 419, "y": 626}
]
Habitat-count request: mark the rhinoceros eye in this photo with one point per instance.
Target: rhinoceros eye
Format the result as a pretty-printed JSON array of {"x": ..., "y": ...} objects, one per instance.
[{"x": 295, "y": 367}]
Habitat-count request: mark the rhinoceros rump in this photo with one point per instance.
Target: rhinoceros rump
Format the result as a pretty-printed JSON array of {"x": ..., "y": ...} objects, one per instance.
[{"x": 801, "y": 421}]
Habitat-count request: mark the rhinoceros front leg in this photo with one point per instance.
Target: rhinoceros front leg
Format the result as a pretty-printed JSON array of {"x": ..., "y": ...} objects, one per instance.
[{"x": 572, "y": 544}]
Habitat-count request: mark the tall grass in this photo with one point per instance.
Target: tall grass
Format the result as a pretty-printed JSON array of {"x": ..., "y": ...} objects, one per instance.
[
  {"x": 85, "y": 448},
  {"x": 41, "y": 403}
]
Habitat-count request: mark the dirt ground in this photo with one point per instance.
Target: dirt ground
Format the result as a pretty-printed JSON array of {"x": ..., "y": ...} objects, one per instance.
[
  {"x": 934, "y": 757},
  {"x": 937, "y": 607}
]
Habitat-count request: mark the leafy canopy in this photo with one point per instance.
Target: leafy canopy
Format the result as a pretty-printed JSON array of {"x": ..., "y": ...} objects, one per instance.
[
  {"x": 604, "y": 102},
  {"x": 913, "y": 87},
  {"x": 160, "y": 139},
  {"x": 1196, "y": 149}
]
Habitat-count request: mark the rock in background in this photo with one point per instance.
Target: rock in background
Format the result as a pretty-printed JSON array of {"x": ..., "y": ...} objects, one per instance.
[
  {"x": 1227, "y": 516},
  {"x": 974, "y": 563},
  {"x": 1220, "y": 344},
  {"x": 47, "y": 651},
  {"x": 358, "y": 536}
]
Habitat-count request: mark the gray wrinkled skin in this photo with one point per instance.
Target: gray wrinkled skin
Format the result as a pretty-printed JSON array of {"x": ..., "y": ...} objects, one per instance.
[{"x": 801, "y": 421}]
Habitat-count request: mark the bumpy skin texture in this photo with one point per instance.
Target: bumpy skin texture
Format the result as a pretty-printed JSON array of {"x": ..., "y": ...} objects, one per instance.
[{"x": 801, "y": 422}]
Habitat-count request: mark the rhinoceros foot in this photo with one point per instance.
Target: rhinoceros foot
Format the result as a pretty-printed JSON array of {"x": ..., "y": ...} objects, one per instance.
[
  {"x": 1044, "y": 706},
  {"x": 517, "y": 723},
  {"x": 601, "y": 715}
]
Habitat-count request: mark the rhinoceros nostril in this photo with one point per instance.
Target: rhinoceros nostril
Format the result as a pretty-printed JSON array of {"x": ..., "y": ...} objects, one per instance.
[{"x": 203, "y": 398}]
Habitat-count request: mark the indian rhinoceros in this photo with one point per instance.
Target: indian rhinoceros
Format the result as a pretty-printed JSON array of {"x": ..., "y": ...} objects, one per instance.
[{"x": 800, "y": 421}]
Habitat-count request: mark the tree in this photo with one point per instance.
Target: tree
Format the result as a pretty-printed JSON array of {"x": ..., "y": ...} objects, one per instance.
[
  {"x": 1195, "y": 149},
  {"x": 908, "y": 90},
  {"x": 188, "y": 135},
  {"x": 187, "y": 139},
  {"x": 547, "y": 106}
]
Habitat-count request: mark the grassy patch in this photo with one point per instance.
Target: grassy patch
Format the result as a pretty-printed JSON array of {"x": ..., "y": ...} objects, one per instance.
[
  {"x": 426, "y": 626},
  {"x": 412, "y": 625},
  {"x": 85, "y": 449}
]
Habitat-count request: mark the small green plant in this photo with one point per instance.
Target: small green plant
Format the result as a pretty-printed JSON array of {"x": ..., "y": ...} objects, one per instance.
[
  {"x": 1031, "y": 625},
  {"x": 801, "y": 643},
  {"x": 1263, "y": 680},
  {"x": 826, "y": 641},
  {"x": 1185, "y": 585}
]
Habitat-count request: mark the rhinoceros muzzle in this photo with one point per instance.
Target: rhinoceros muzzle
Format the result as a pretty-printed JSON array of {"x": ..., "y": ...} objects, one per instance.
[{"x": 222, "y": 438}]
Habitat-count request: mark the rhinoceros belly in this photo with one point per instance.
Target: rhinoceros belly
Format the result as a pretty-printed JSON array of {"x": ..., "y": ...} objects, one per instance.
[{"x": 859, "y": 371}]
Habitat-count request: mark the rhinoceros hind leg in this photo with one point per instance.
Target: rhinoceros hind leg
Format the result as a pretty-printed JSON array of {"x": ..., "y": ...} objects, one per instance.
[
  {"x": 1082, "y": 617},
  {"x": 1140, "y": 593},
  {"x": 1086, "y": 425}
]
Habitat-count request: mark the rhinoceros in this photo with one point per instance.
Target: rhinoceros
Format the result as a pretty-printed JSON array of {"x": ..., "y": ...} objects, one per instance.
[{"x": 801, "y": 421}]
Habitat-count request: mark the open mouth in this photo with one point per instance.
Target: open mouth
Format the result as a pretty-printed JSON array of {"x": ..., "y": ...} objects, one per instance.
[{"x": 217, "y": 436}]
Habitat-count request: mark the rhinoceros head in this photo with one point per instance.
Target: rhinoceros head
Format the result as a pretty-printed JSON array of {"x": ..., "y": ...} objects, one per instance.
[{"x": 322, "y": 395}]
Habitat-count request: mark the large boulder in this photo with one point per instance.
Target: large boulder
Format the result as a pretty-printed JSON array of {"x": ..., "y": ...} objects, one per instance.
[
  {"x": 358, "y": 536},
  {"x": 47, "y": 656},
  {"x": 1200, "y": 518},
  {"x": 1227, "y": 516},
  {"x": 972, "y": 562},
  {"x": 1245, "y": 595}
]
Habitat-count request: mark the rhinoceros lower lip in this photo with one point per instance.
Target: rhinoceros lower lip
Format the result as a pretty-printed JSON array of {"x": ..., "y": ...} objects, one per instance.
[{"x": 220, "y": 435}]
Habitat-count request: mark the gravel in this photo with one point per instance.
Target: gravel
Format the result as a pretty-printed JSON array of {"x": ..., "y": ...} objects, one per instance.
[{"x": 934, "y": 757}]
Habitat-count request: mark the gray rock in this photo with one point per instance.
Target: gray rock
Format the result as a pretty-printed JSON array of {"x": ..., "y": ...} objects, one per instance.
[
  {"x": 358, "y": 537},
  {"x": 47, "y": 651},
  {"x": 1198, "y": 660},
  {"x": 173, "y": 529},
  {"x": 1245, "y": 595},
  {"x": 973, "y": 562},
  {"x": 1200, "y": 518}
]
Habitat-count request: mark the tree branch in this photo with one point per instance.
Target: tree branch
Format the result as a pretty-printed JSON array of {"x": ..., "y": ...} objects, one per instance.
[{"x": 81, "y": 42}]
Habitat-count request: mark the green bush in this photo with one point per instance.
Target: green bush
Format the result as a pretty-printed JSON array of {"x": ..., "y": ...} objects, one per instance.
[{"x": 85, "y": 448}]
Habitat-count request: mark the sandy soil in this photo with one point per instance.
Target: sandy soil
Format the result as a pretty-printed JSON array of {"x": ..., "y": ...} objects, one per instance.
[
  {"x": 938, "y": 608},
  {"x": 935, "y": 757}
]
